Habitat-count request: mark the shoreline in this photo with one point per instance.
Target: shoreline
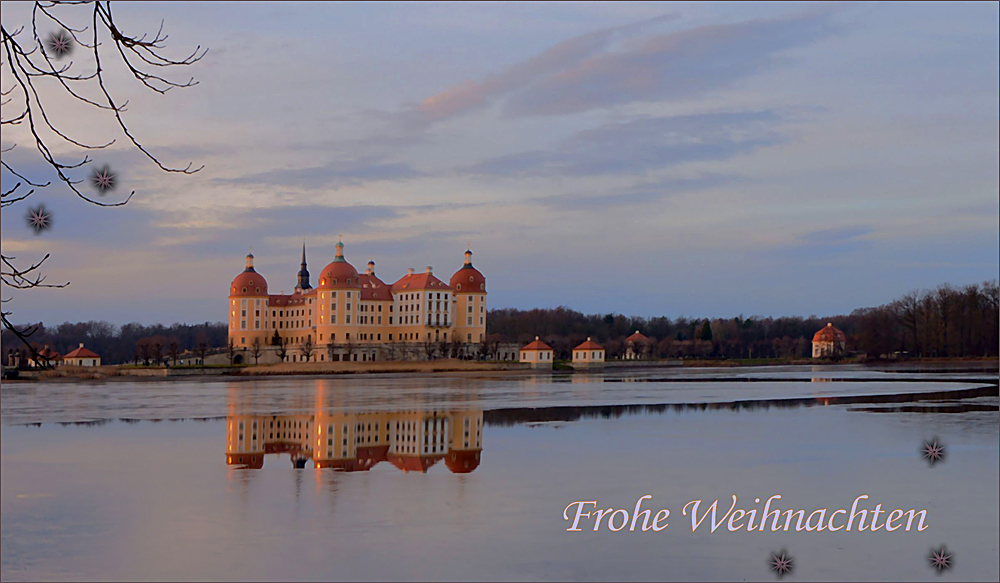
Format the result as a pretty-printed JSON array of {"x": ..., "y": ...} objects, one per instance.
[{"x": 449, "y": 366}]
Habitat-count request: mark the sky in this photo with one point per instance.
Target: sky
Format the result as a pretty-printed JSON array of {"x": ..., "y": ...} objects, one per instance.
[{"x": 648, "y": 159}]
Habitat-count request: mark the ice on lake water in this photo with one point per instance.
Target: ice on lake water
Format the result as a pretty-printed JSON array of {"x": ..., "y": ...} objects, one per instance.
[{"x": 154, "y": 479}]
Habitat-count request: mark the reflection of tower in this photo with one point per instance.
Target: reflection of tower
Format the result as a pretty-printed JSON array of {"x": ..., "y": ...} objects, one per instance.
[
  {"x": 411, "y": 440},
  {"x": 466, "y": 443},
  {"x": 417, "y": 439},
  {"x": 244, "y": 442}
]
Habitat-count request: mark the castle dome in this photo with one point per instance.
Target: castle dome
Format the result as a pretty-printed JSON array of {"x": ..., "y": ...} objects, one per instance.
[
  {"x": 339, "y": 273},
  {"x": 830, "y": 334},
  {"x": 249, "y": 283},
  {"x": 468, "y": 279},
  {"x": 462, "y": 461}
]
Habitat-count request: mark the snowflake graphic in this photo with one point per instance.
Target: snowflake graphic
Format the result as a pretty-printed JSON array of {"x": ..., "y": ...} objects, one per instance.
[
  {"x": 933, "y": 451},
  {"x": 941, "y": 559},
  {"x": 103, "y": 179},
  {"x": 781, "y": 564},
  {"x": 39, "y": 219},
  {"x": 60, "y": 43}
]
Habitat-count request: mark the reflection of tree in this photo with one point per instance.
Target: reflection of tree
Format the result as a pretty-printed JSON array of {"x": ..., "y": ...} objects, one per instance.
[{"x": 26, "y": 60}]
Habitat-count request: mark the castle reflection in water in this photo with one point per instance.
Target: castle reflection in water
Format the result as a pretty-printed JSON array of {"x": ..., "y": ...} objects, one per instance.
[{"x": 411, "y": 440}]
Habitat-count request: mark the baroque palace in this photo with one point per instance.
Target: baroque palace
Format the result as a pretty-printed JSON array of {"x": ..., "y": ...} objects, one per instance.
[{"x": 357, "y": 316}]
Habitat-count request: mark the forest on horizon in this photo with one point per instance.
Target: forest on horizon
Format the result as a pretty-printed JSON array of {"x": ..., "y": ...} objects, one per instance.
[{"x": 944, "y": 322}]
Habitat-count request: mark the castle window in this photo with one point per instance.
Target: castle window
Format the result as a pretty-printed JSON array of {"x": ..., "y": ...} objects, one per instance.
[
  {"x": 458, "y": 286},
  {"x": 244, "y": 290}
]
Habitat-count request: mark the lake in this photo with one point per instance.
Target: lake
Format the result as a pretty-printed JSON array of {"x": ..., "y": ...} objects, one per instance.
[{"x": 468, "y": 476}]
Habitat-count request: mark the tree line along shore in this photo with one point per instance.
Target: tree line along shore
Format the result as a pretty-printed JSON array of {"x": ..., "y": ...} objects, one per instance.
[{"x": 944, "y": 323}]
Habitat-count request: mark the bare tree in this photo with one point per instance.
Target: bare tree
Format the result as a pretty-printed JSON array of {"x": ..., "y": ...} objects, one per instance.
[
  {"x": 202, "y": 349},
  {"x": 307, "y": 347},
  {"x": 144, "y": 350},
  {"x": 283, "y": 349},
  {"x": 174, "y": 349},
  {"x": 24, "y": 60},
  {"x": 348, "y": 348},
  {"x": 232, "y": 351},
  {"x": 256, "y": 349}
]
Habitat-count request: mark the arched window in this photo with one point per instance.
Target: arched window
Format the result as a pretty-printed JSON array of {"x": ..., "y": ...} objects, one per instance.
[{"x": 244, "y": 290}]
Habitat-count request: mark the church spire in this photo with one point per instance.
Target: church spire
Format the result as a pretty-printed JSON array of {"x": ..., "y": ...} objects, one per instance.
[{"x": 303, "y": 283}]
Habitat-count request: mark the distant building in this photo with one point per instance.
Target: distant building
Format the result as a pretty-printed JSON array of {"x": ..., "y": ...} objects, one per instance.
[
  {"x": 829, "y": 341},
  {"x": 82, "y": 357},
  {"x": 538, "y": 354},
  {"x": 588, "y": 355},
  {"x": 46, "y": 357},
  {"x": 636, "y": 346},
  {"x": 356, "y": 316}
]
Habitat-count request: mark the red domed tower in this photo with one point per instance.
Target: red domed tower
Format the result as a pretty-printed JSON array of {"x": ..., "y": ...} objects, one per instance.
[
  {"x": 469, "y": 286},
  {"x": 338, "y": 297},
  {"x": 248, "y": 307}
]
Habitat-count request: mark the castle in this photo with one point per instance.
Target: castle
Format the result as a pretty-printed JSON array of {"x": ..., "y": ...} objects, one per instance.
[{"x": 353, "y": 316}]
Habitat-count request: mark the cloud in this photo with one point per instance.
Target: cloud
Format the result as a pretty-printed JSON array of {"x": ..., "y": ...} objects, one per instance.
[
  {"x": 671, "y": 66},
  {"x": 470, "y": 96},
  {"x": 335, "y": 174},
  {"x": 647, "y": 192},
  {"x": 618, "y": 65},
  {"x": 837, "y": 235},
  {"x": 641, "y": 144},
  {"x": 827, "y": 244}
]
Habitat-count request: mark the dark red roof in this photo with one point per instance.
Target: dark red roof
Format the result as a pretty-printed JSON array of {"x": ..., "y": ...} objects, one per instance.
[
  {"x": 373, "y": 288},
  {"x": 82, "y": 352},
  {"x": 830, "y": 334},
  {"x": 414, "y": 463},
  {"x": 462, "y": 461},
  {"x": 589, "y": 345},
  {"x": 537, "y": 345},
  {"x": 282, "y": 300},
  {"x": 419, "y": 281},
  {"x": 468, "y": 279},
  {"x": 637, "y": 338},
  {"x": 248, "y": 283},
  {"x": 49, "y": 354}
]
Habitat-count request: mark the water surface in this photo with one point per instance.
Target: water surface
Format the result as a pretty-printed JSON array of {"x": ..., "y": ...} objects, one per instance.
[{"x": 142, "y": 480}]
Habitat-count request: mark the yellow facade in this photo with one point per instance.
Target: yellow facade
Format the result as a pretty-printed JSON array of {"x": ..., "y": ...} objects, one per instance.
[
  {"x": 358, "y": 317},
  {"x": 411, "y": 440}
]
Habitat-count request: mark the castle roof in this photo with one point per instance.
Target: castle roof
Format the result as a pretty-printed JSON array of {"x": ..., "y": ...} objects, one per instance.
[
  {"x": 537, "y": 345},
  {"x": 373, "y": 288},
  {"x": 589, "y": 345},
  {"x": 249, "y": 283},
  {"x": 419, "y": 281},
  {"x": 82, "y": 352},
  {"x": 829, "y": 333},
  {"x": 637, "y": 337},
  {"x": 462, "y": 461}
]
